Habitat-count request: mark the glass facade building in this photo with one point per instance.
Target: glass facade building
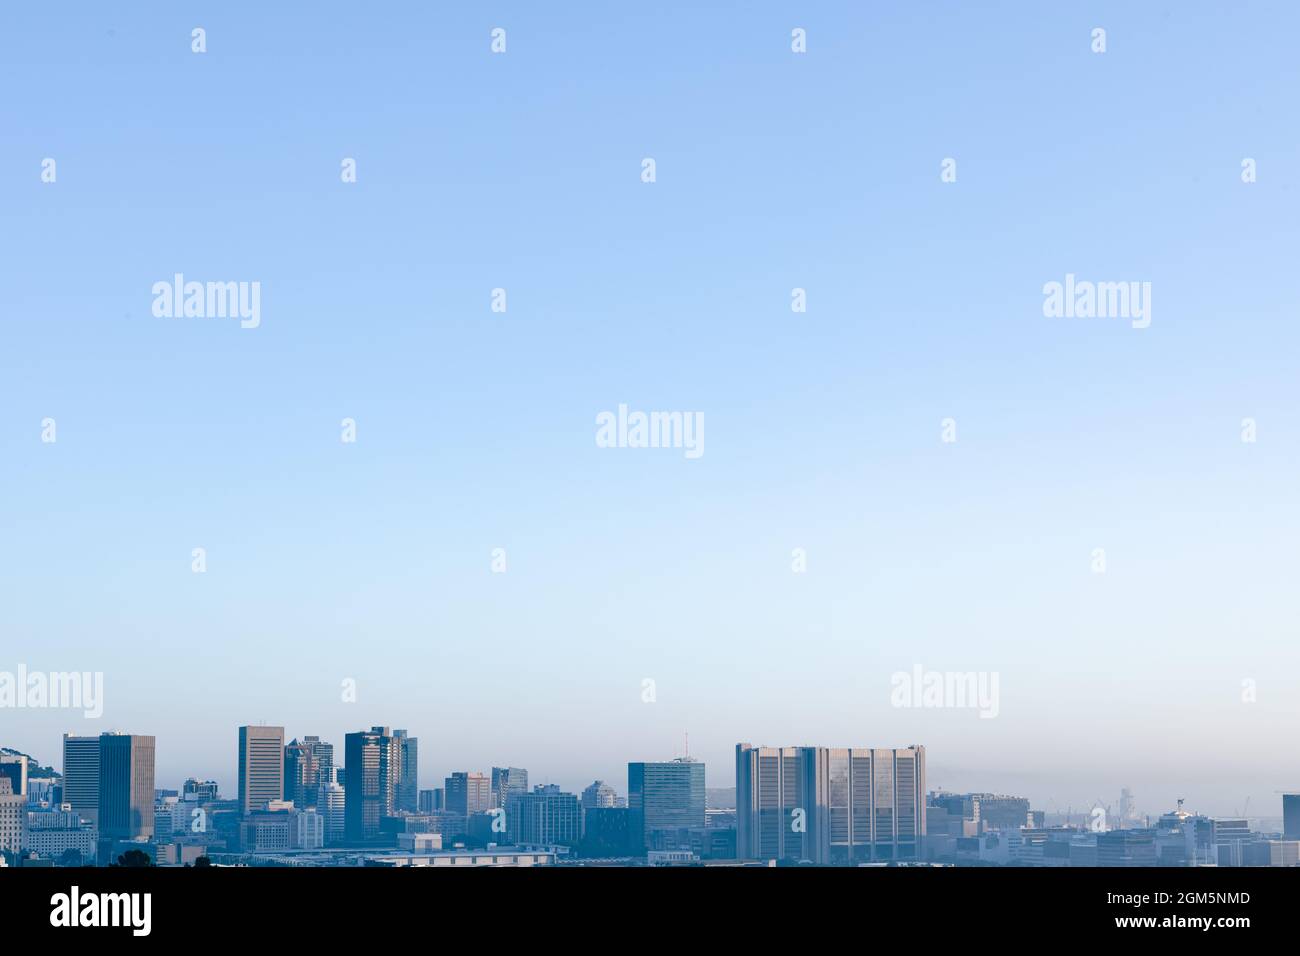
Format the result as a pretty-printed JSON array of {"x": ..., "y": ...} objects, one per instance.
[
  {"x": 126, "y": 778},
  {"x": 507, "y": 781},
  {"x": 1291, "y": 816},
  {"x": 372, "y": 771},
  {"x": 408, "y": 787},
  {"x": 665, "y": 801}
]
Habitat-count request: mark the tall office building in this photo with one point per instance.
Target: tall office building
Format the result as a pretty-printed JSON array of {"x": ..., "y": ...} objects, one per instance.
[
  {"x": 372, "y": 770},
  {"x": 81, "y": 776},
  {"x": 331, "y": 803},
  {"x": 467, "y": 793},
  {"x": 599, "y": 795},
  {"x": 324, "y": 754},
  {"x": 1291, "y": 816},
  {"x": 261, "y": 767},
  {"x": 408, "y": 786},
  {"x": 829, "y": 805},
  {"x": 126, "y": 783},
  {"x": 308, "y": 765},
  {"x": 545, "y": 817},
  {"x": 301, "y": 774},
  {"x": 665, "y": 801},
  {"x": 507, "y": 781}
]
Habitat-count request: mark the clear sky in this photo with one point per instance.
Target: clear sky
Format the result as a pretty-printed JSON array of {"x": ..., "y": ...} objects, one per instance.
[{"x": 371, "y": 561}]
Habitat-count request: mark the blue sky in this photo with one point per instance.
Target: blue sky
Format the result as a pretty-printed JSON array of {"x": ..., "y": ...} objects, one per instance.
[{"x": 371, "y": 561}]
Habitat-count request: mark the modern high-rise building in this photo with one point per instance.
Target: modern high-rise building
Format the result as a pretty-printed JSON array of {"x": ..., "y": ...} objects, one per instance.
[
  {"x": 261, "y": 767},
  {"x": 372, "y": 770},
  {"x": 1291, "y": 816},
  {"x": 545, "y": 817},
  {"x": 81, "y": 775},
  {"x": 408, "y": 786},
  {"x": 468, "y": 793},
  {"x": 331, "y": 803},
  {"x": 599, "y": 795},
  {"x": 301, "y": 774},
  {"x": 665, "y": 801},
  {"x": 126, "y": 783},
  {"x": 506, "y": 781},
  {"x": 324, "y": 754},
  {"x": 829, "y": 805}
]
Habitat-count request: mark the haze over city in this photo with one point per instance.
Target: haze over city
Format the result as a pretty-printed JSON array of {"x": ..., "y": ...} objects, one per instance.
[{"x": 1172, "y": 670}]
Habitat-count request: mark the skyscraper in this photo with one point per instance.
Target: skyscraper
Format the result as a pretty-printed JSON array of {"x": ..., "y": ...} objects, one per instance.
[
  {"x": 81, "y": 775},
  {"x": 1291, "y": 816},
  {"x": 468, "y": 793},
  {"x": 126, "y": 780},
  {"x": 665, "y": 800},
  {"x": 372, "y": 770},
  {"x": 505, "y": 781},
  {"x": 261, "y": 767},
  {"x": 324, "y": 754},
  {"x": 829, "y": 805},
  {"x": 330, "y": 803},
  {"x": 301, "y": 774},
  {"x": 408, "y": 786}
]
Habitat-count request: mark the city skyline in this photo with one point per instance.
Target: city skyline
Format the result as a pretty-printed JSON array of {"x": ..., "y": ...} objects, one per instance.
[
  {"x": 800, "y": 805},
  {"x": 722, "y": 777}
]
